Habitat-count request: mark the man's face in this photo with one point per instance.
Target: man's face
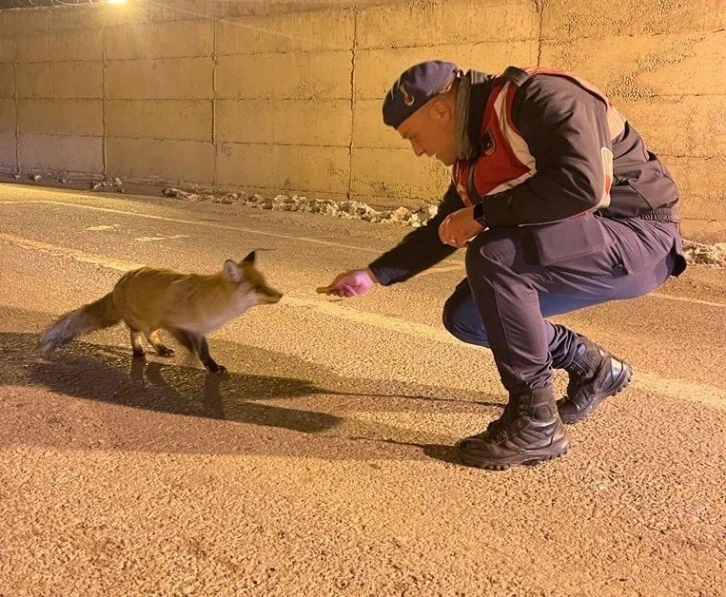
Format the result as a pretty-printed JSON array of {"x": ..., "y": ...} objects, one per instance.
[{"x": 431, "y": 130}]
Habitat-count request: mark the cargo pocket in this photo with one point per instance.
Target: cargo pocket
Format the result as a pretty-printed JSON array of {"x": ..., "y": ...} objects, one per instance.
[{"x": 569, "y": 240}]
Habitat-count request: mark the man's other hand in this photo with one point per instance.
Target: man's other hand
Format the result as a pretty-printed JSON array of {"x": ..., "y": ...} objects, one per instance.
[{"x": 459, "y": 228}]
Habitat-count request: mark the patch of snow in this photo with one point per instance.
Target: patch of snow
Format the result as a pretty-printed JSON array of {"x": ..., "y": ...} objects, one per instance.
[
  {"x": 351, "y": 210},
  {"x": 714, "y": 255}
]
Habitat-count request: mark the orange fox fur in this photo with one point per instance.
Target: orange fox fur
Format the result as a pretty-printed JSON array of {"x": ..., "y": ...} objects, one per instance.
[{"x": 188, "y": 306}]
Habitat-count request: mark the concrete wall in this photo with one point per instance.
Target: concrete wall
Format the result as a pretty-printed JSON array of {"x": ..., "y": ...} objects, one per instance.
[{"x": 285, "y": 97}]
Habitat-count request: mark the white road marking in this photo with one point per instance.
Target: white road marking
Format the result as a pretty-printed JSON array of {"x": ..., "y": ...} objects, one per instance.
[
  {"x": 146, "y": 239},
  {"x": 648, "y": 381},
  {"x": 439, "y": 269},
  {"x": 102, "y": 227},
  {"x": 410, "y": 328},
  {"x": 80, "y": 256},
  {"x": 685, "y": 299},
  {"x": 196, "y": 223},
  {"x": 432, "y": 271}
]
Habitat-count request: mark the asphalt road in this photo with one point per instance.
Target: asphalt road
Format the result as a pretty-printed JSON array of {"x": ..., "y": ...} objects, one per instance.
[{"x": 322, "y": 464}]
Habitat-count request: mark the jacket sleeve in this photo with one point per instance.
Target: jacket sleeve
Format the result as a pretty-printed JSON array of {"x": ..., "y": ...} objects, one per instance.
[
  {"x": 565, "y": 129},
  {"x": 420, "y": 249}
]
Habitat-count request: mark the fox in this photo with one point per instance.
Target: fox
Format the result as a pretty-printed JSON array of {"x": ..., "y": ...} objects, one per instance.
[{"x": 188, "y": 306}]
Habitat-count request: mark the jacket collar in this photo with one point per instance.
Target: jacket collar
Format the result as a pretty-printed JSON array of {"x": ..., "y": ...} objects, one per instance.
[{"x": 471, "y": 100}]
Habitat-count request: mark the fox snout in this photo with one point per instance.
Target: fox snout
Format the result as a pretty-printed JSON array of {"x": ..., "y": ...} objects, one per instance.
[{"x": 268, "y": 296}]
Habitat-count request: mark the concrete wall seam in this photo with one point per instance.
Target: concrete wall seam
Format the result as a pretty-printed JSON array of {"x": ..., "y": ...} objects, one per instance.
[
  {"x": 104, "y": 154},
  {"x": 352, "y": 101}
]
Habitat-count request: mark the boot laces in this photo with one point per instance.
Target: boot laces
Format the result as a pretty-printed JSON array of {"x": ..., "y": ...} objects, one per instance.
[{"x": 503, "y": 427}]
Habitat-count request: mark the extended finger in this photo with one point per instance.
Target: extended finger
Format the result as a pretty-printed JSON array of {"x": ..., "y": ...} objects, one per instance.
[{"x": 444, "y": 231}]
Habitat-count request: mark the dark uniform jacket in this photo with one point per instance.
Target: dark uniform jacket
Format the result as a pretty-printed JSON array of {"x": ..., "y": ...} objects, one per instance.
[{"x": 546, "y": 147}]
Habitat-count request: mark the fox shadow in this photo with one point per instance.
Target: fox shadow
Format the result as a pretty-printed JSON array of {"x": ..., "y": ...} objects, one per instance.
[{"x": 109, "y": 374}]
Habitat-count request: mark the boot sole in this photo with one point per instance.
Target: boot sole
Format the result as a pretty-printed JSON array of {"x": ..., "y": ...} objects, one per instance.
[
  {"x": 623, "y": 381},
  {"x": 470, "y": 459}
]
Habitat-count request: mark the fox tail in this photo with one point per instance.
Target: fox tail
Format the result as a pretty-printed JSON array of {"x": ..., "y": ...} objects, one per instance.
[{"x": 88, "y": 318}]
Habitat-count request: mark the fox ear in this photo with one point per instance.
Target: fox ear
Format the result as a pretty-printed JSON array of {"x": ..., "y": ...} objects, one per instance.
[
  {"x": 233, "y": 271},
  {"x": 250, "y": 259}
]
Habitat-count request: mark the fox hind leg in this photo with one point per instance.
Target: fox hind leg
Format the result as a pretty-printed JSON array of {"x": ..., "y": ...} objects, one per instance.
[
  {"x": 136, "y": 346},
  {"x": 161, "y": 349}
]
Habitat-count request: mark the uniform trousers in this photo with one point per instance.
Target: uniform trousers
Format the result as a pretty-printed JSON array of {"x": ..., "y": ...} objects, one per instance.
[{"x": 516, "y": 277}]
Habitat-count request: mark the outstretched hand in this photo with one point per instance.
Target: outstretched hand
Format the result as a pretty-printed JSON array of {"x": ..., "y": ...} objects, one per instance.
[{"x": 351, "y": 283}]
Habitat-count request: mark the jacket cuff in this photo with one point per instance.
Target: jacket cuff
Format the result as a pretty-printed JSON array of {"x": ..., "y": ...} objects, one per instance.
[
  {"x": 479, "y": 214},
  {"x": 384, "y": 274}
]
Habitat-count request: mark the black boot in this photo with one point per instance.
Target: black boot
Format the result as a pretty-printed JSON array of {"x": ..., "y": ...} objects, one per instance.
[
  {"x": 594, "y": 375},
  {"x": 529, "y": 430}
]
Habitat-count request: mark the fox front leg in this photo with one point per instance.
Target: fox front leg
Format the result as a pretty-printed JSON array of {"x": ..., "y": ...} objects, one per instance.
[
  {"x": 203, "y": 352},
  {"x": 198, "y": 344}
]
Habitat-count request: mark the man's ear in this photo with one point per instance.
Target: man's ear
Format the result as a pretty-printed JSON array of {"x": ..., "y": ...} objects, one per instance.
[{"x": 441, "y": 110}]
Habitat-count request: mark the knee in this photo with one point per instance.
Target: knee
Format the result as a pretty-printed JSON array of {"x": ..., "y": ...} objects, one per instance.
[
  {"x": 449, "y": 319},
  {"x": 459, "y": 323}
]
